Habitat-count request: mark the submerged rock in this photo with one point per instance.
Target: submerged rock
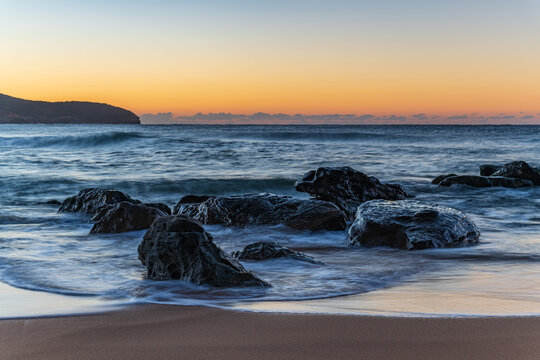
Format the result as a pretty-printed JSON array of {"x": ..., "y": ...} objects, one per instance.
[
  {"x": 50, "y": 202},
  {"x": 125, "y": 216},
  {"x": 347, "y": 188},
  {"x": 440, "y": 178},
  {"x": 485, "y": 181},
  {"x": 411, "y": 225},
  {"x": 264, "y": 250},
  {"x": 519, "y": 170},
  {"x": 178, "y": 248},
  {"x": 90, "y": 201},
  {"x": 266, "y": 209}
]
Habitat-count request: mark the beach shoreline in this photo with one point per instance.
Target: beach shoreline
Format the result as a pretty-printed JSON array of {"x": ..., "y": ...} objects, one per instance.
[{"x": 192, "y": 332}]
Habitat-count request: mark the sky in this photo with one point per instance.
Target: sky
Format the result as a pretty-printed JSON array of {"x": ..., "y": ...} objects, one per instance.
[{"x": 386, "y": 61}]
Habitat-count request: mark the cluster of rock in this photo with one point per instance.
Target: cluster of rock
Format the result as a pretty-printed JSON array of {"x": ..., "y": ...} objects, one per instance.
[
  {"x": 263, "y": 209},
  {"x": 114, "y": 211},
  {"x": 347, "y": 188},
  {"x": 177, "y": 247},
  {"x": 511, "y": 175}
]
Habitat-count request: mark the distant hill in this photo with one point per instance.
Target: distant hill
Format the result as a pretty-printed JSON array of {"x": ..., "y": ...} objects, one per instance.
[{"x": 20, "y": 111}]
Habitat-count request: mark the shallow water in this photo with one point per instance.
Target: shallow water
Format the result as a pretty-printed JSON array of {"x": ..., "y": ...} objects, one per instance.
[{"x": 43, "y": 250}]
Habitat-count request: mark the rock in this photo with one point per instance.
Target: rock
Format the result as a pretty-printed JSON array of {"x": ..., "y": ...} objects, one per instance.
[
  {"x": 440, "y": 178},
  {"x": 178, "y": 248},
  {"x": 266, "y": 209},
  {"x": 49, "y": 202},
  {"x": 125, "y": 216},
  {"x": 485, "y": 181},
  {"x": 89, "y": 201},
  {"x": 347, "y": 188},
  {"x": 488, "y": 169},
  {"x": 519, "y": 170},
  {"x": 411, "y": 225},
  {"x": 190, "y": 199},
  {"x": 264, "y": 250},
  {"x": 163, "y": 207}
]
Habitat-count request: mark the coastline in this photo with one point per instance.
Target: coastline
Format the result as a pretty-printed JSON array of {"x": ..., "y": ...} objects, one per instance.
[{"x": 162, "y": 331}]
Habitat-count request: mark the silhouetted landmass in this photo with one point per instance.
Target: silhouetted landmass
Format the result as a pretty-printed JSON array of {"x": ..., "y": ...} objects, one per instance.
[{"x": 20, "y": 111}]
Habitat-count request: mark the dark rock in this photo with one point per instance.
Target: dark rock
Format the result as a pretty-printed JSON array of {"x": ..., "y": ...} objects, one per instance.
[
  {"x": 125, "y": 216},
  {"x": 411, "y": 225},
  {"x": 177, "y": 247},
  {"x": 160, "y": 206},
  {"x": 347, "y": 188},
  {"x": 264, "y": 250},
  {"x": 485, "y": 181},
  {"x": 50, "y": 202},
  {"x": 266, "y": 209},
  {"x": 90, "y": 201},
  {"x": 190, "y": 199},
  {"x": 519, "y": 170},
  {"x": 440, "y": 178},
  {"x": 488, "y": 169}
]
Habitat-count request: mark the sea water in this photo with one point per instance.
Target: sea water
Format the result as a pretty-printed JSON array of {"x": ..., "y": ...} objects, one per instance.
[{"x": 52, "y": 255}]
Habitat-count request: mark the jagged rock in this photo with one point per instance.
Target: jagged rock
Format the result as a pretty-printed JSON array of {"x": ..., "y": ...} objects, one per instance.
[
  {"x": 519, "y": 170},
  {"x": 264, "y": 250},
  {"x": 266, "y": 209},
  {"x": 190, "y": 199},
  {"x": 440, "y": 178},
  {"x": 91, "y": 200},
  {"x": 411, "y": 225},
  {"x": 485, "y": 181},
  {"x": 488, "y": 169},
  {"x": 347, "y": 188},
  {"x": 178, "y": 248},
  {"x": 124, "y": 217}
]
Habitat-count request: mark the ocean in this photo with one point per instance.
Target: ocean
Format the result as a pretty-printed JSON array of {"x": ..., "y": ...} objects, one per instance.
[{"x": 49, "y": 264}]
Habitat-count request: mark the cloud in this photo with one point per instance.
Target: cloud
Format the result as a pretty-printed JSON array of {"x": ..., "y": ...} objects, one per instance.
[
  {"x": 458, "y": 117},
  {"x": 260, "y": 118},
  {"x": 159, "y": 118}
]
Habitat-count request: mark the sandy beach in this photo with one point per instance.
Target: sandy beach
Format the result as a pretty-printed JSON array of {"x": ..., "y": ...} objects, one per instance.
[{"x": 175, "y": 332}]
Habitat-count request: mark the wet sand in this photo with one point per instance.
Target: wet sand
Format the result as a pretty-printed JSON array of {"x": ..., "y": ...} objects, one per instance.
[{"x": 175, "y": 332}]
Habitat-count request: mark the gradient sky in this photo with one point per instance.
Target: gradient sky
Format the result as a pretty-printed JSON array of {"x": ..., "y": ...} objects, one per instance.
[{"x": 446, "y": 58}]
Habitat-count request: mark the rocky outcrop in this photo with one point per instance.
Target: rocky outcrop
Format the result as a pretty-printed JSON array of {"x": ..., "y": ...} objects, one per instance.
[
  {"x": 90, "y": 201},
  {"x": 265, "y": 209},
  {"x": 264, "y": 250},
  {"x": 440, "y": 178},
  {"x": 519, "y": 170},
  {"x": 125, "y": 216},
  {"x": 411, "y": 225},
  {"x": 485, "y": 181},
  {"x": 20, "y": 111},
  {"x": 347, "y": 188},
  {"x": 178, "y": 248}
]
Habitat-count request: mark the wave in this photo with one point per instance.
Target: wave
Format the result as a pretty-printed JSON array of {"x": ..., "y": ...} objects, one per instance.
[
  {"x": 329, "y": 135},
  {"x": 83, "y": 141}
]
